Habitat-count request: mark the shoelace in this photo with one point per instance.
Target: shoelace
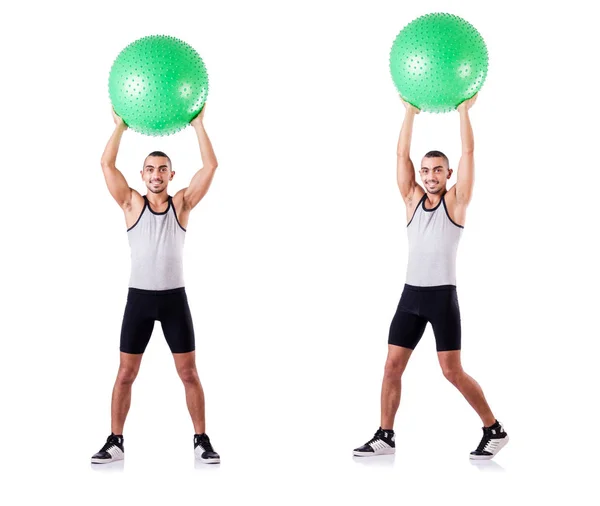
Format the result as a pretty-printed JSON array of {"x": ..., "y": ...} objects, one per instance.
[
  {"x": 111, "y": 441},
  {"x": 378, "y": 435},
  {"x": 484, "y": 441},
  {"x": 206, "y": 444}
]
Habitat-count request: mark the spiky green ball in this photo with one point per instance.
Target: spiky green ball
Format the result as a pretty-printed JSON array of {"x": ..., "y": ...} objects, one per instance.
[
  {"x": 158, "y": 84},
  {"x": 438, "y": 61}
]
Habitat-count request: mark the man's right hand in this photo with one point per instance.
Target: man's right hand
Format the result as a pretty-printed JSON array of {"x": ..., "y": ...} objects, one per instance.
[
  {"x": 118, "y": 120},
  {"x": 199, "y": 118},
  {"x": 410, "y": 107}
]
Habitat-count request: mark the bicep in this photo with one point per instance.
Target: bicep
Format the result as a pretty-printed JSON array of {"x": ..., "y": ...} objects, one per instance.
[
  {"x": 198, "y": 187},
  {"x": 117, "y": 185},
  {"x": 407, "y": 182},
  {"x": 466, "y": 164},
  {"x": 465, "y": 178}
]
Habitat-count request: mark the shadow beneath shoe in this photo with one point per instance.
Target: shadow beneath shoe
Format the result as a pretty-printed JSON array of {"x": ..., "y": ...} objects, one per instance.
[
  {"x": 112, "y": 467},
  {"x": 198, "y": 464},
  {"x": 376, "y": 461},
  {"x": 487, "y": 466}
]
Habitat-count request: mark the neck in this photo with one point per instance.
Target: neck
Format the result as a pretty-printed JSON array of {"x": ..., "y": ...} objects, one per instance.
[
  {"x": 436, "y": 197},
  {"x": 157, "y": 198}
]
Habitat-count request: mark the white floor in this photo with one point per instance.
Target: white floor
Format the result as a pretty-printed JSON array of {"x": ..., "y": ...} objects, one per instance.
[
  {"x": 323, "y": 472},
  {"x": 291, "y": 443}
]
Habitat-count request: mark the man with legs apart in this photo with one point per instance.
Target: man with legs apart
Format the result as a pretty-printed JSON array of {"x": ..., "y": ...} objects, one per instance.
[
  {"x": 156, "y": 227},
  {"x": 435, "y": 219}
]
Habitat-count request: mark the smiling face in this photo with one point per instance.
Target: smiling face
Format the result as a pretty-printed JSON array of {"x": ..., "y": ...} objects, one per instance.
[
  {"x": 434, "y": 173},
  {"x": 157, "y": 173}
]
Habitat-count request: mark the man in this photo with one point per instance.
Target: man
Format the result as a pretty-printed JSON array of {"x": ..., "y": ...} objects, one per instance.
[
  {"x": 435, "y": 218},
  {"x": 156, "y": 225}
]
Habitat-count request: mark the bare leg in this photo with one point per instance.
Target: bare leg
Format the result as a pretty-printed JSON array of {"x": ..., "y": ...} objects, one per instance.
[
  {"x": 453, "y": 371},
  {"x": 194, "y": 395},
  {"x": 121, "y": 395},
  {"x": 392, "y": 383}
]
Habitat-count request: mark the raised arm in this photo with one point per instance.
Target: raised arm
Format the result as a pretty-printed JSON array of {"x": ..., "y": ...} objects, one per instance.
[
  {"x": 117, "y": 186},
  {"x": 405, "y": 169},
  {"x": 466, "y": 166},
  {"x": 202, "y": 179}
]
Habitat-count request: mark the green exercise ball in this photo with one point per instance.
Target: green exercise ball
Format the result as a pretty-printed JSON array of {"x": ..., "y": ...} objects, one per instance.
[
  {"x": 158, "y": 84},
  {"x": 438, "y": 61}
]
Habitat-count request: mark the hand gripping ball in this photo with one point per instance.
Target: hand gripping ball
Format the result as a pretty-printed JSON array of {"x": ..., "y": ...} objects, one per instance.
[
  {"x": 158, "y": 84},
  {"x": 438, "y": 61}
]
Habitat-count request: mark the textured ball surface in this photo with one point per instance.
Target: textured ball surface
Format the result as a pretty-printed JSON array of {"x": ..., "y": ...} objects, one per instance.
[
  {"x": 158, "y": 84},
  {"x": 438, "y": 61}
]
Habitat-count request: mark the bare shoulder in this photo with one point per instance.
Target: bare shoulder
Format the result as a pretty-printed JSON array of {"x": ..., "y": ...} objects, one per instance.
[
  {"x": 456, "y": 212},
  {"x": 450, "y": 196},
  {"x": 412, "y": 201},
  {"x": 133, "y": 208},
  {"x": 136, "y": 204},
  {"x": 178, "y": 200},
  {"x": 182, "y": 212}
]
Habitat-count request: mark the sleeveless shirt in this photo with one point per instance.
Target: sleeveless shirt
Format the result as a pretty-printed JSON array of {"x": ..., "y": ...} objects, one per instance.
[
  {"x": 432, "y": 241},
  {"x": 156, "y": 241}
]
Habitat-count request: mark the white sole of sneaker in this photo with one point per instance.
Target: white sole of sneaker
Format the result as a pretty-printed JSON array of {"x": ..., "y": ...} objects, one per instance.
[
  {"x": 106, "y": 461},
  {"x": 387, "y": 451},
  {"x": 209, "y": 461},
  {"x": 501, "y": 445}
]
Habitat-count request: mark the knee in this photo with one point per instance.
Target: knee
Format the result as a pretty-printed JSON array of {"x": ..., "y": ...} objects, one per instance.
[
  {"x": 453, "y": 374},
  {"x": 189, "y": 375},
  {"x": 126, "y": 376},
  {"x": 393, "y": 369}
]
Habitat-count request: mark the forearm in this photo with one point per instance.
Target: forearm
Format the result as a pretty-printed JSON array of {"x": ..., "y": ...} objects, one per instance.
[
  {"x": 209, "y": 159},
  {"x": 109, "y": 157},
  {"x": 466, "y": 166},
  {"x": 466, "y": 132},
  {"x": 405, "y": 170},
  {"x": 406, "y": 134}
]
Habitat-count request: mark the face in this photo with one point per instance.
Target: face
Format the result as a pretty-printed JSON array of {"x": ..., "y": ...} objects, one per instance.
[
  {"x": 434, "y": 174},
  {"x": 157, "y": 173}
]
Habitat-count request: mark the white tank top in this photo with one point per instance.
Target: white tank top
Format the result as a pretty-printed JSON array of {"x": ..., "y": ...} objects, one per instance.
[
  {"x": 156, "y": 241},
  {"x": 432, "y": 241}
]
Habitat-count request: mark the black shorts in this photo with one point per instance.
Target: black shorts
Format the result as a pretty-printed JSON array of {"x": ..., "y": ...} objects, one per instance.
[
  {"x": 421, "y": 304},
  {"x": 169, "y": 307}
]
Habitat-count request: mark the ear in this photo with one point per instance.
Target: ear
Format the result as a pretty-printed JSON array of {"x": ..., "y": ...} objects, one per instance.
[
  {"x": 172, "y": 175},
  {"x": 450, "y": 171}
]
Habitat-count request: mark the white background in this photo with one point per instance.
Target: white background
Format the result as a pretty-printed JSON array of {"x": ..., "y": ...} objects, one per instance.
[{"x": 296, "y": 258}]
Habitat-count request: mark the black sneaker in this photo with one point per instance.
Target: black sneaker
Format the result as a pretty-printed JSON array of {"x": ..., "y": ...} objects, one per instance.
[
  {"x": 204, "y": 451},
  {"x": 382, "y": 443},
  {"x": 111, "y": 451},
  {"x": 493, "y": 440}
]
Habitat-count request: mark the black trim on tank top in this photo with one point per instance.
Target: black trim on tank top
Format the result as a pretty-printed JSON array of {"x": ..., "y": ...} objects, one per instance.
[
  {"x": 157, "y": 292},
  {"x": 429, "y": 288},
  {"x": 175, "y": 213},
  {"x": 140, "y": 216},
  {"x": 448, "y": 214},
  {"x": 154, "y": 212},
  {"x": 416, "y": 208},
  {"x": 434, "y": 208}
]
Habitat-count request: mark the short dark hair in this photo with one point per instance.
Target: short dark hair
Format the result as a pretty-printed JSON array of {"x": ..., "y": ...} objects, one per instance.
[
  {"x": 160, "y": 153},
  {"x": 435, "y": 154}
]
